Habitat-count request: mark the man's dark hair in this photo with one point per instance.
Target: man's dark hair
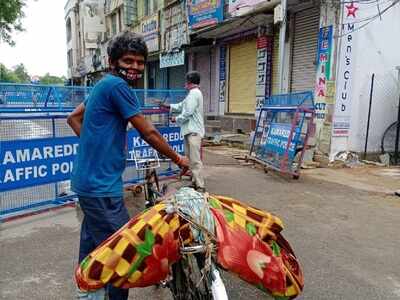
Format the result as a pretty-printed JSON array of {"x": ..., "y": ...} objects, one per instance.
[
  {"x": 126, "y": 42},
  {"x": 193, "y": 77}
]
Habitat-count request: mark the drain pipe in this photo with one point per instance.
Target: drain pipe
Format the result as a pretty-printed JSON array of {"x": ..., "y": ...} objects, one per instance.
[
  {"x": 369, "y": 114},
  {"x": 282, "y": 38},
  {"x": 396, "y": 146}
]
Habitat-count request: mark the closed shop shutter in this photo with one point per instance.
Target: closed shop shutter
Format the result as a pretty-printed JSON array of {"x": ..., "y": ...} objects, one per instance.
[
  {"x": 176, "y": 77},
  {"x": 161, "y": 78},
  {"x": 275, "y": 64},
  {"x": 242, "y": 77},
  {"x": 304, "y": 51},
  {"x": 203, "y": 67}
]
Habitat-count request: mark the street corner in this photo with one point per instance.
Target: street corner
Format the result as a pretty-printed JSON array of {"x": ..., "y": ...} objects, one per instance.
[{"x": 380, "y": 180}]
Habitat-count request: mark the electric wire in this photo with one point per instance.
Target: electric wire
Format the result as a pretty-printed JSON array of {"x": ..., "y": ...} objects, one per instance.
[{"x": 370, "y": 19}]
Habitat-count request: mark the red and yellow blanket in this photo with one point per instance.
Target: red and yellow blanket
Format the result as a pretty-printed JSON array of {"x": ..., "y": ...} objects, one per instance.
[{"x": 142, "y": 251}]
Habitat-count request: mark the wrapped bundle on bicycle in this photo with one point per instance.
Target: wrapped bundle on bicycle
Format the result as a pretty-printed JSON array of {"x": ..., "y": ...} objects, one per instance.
[{"x": 236, "y": 237}]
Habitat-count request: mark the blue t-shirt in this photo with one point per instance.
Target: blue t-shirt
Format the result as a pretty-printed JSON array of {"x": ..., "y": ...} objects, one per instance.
[{"x": 101, "y": 156}]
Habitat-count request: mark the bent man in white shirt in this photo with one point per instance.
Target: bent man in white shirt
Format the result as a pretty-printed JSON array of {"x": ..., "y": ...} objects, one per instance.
[{"x": 191, "y": 120}]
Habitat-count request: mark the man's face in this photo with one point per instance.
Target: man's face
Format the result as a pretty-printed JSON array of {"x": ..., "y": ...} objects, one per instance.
[
  {"x": 130, "y": 66},
  {"x": 188, "y": 85}
]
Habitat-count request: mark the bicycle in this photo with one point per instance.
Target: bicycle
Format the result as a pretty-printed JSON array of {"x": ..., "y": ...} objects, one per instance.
[
  {"x": 180, "y": 242},
  {"x": 388, "y": 142},
  {"x": 195, "y": 276}
]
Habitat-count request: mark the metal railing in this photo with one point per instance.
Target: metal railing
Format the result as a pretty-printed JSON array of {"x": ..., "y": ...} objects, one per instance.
[
  {"x": 41, "y": 123},
  {"x": 36, "y": 95}
]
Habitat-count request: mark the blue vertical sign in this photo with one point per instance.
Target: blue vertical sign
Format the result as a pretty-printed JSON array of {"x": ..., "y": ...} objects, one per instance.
[
  {"x": 323, "y": 70},
  {"x": 222, "y": 73}
]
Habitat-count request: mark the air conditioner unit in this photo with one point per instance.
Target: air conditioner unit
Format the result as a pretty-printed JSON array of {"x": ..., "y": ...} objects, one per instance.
[{"x": 278, "y": 14}]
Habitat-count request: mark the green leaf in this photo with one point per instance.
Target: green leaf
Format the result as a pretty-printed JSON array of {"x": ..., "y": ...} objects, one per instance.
[
  {"x": 229, "y": 215},
  {"x": 262, "y": 288},
  {"x": 281, "y": 297},
  {"x": 214, "y": 203},
  {"x": 144, "y": 249},
  {"x": 136, "y": 265},
  {"x": 149, "y": 238},
  {"x": 85, "y": 263},
  {"x": 275, "y": 248},
  {"x": 251, "y": 229}
]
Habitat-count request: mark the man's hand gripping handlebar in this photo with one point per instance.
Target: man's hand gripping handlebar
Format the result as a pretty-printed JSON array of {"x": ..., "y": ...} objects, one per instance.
[{"x": 183, "y": 163}]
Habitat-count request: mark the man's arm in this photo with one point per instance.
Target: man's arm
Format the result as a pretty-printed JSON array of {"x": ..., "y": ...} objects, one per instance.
[
  {"x": 151, "y": 135},
  {"x": 75, "y": 119},
  {"x": 189, "y": 106},
  {"x": 176, "y": 108}
]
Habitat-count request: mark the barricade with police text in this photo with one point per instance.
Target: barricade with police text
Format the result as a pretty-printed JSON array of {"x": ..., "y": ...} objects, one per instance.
[
  {"x": 284, "y": 124},
  {"x": 38, "y": 149}
]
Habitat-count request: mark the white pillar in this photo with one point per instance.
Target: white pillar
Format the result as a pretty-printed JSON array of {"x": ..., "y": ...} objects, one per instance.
[{"x": 282, "y": 38}]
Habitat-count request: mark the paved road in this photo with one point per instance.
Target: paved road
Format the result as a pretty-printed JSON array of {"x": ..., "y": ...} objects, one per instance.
[{"x": 347, "y": 240}]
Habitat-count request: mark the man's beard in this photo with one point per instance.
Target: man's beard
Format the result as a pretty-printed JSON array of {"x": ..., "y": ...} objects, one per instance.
[{"x": 130, "y": 77}]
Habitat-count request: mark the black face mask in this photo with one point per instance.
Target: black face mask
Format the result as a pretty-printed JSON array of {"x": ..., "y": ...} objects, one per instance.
[{"x": 130, "y": 77}]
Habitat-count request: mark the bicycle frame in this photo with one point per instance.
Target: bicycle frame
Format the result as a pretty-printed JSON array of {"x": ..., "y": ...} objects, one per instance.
[{"x": 209, "y": 272}]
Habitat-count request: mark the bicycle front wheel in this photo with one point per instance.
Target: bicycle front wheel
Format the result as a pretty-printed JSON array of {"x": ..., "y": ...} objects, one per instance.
[
  {"x": 188, "y": 282},
  {"x": 388, "y": 143}
]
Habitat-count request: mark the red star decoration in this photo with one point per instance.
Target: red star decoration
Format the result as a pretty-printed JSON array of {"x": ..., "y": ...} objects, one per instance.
[{"x": 351, "y": 10}]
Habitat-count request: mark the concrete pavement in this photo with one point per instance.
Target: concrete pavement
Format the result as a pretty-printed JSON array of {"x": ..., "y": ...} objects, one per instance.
[{"x": 346, "y": 238}]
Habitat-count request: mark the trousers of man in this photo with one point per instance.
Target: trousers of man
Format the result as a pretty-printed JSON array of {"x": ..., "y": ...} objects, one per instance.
[
  {"x": 192, "y": 150},
  {"x": 102, "y": 218}
]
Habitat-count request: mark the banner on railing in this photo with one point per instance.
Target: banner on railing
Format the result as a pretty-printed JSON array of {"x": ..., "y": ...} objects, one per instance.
[
  {"x": 26, "y": 163},
  {"x": 276, "y": 139},
  {"x": 137, "y": 147}
]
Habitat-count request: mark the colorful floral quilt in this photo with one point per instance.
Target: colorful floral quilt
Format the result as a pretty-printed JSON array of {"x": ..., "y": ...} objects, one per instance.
[{"x": 141, "y": 253}]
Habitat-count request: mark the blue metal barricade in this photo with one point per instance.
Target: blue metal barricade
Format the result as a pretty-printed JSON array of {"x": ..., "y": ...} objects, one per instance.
[
  {"x": 38, "y": 148},
  {"x": 284, "y": 125},
  {"x": 35, "y": 95}
]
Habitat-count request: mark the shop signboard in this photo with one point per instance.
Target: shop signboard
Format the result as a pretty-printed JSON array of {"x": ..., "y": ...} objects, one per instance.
[
  {"x": 344, "y": 86},
  {"x": 241, "y": 7},
  {"x": 150, "y": 29},
  {"x": 174, "y": 22},
  {"x": 172, "y": 59},
  {"x": 205, "y": 13}
]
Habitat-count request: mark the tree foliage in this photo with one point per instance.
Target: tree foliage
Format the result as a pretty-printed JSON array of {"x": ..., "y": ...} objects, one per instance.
[
  {"x": 7, "y": 75},
  {"x": 22, "y": 74},
  {"x": 19, "y": 74},
  {"x": 50, "y": 79},
  {"x": 11, "y": 15}
]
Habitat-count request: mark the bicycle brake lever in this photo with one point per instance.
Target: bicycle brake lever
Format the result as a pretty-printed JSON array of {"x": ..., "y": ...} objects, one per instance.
[{"x": 183, "y": 172}]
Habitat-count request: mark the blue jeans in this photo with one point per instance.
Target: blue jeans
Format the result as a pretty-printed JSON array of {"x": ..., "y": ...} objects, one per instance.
[{"x": 102, "y": 217}]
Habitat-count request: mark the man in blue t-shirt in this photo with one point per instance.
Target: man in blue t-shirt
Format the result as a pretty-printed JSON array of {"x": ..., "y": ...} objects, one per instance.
[{"x": 101, "y": 124}]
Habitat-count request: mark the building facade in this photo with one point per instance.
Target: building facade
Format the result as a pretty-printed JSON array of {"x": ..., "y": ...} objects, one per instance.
[
  {"x": 86, "y": 36},
  {"x": 250, "y": 49}
]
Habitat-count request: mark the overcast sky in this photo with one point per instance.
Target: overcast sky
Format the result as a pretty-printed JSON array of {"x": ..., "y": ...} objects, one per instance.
[{"x": 42, "y": 47}]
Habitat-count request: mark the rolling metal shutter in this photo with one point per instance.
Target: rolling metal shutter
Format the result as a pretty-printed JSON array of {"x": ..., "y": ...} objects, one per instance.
[
  {"x": 205, "y": 62},
  {"x": 176, "y": 77},
  {"x": 242, "y": 77},
  {"x": 304, "y": 51}
]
